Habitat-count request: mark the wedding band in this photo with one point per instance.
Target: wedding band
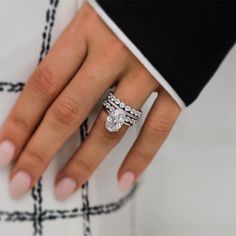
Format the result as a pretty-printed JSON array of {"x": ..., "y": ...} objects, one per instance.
[{"x": 119, "y": 113}]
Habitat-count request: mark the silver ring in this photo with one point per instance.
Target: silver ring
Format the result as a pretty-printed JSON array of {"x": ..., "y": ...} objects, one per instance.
[{"x": 119, "y": 113}]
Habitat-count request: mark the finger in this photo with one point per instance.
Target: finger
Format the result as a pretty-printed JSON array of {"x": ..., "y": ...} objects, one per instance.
[
  {"x": 62, "y": 118},
  {"x": 134, "y": 89},
  {"x": 155, "y": 130},
  {"x": 49, "y": 78}
]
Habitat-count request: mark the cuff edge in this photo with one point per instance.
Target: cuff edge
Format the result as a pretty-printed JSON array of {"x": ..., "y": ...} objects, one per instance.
[{"x": 136, "y": 52}]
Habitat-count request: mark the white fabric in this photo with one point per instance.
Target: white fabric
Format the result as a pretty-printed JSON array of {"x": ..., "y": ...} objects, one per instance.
[
  {"x": 21, "y": 25},
  {"x": 140, "y": 56},
  {"x": 190, "y": 189}
]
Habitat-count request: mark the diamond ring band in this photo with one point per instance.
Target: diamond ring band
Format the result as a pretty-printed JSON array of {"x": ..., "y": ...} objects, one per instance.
[{"x": 119, "y": 113}]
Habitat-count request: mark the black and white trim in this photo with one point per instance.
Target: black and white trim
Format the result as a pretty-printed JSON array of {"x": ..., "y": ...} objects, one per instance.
[{"x": 139, "y": 55}]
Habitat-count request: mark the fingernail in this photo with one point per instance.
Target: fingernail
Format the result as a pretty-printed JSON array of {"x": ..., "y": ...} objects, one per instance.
[
  {"x": 20, "y": 184},
  {"x": 65, "y": 188},
  {"x": 126, "y": 181},
  {"x": 7, "y": 150}
]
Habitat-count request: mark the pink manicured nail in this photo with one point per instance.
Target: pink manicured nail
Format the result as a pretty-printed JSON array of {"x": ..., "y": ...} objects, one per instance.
[
  {"x": 126, "y": 181},
  {"x": 7, "y": 150},
  {"x": 20, "y": 184},
  {"x": 65, "y": 188}
]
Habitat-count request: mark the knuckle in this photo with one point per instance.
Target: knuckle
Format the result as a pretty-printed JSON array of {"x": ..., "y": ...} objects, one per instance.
[
  {"x": 66, "y": 111},
  {"x": 85, "y": 16},
  {"x": 37, "y": 158},
  {"x": 159, "y": 128},
  {"x": 85, "y": 13},
  {"x": 20, "y": 122},
  {"x": 43, "y": 81}
]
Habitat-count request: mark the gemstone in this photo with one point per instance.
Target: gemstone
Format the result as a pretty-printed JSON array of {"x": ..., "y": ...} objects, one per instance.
[
  {"x": 115, "y": 120},
  {"x": 132, "y": 111},
  {"x": 117, "y": 101},
  {"x": 122, "y": 105},
  {"x": 127, "y": 108}
]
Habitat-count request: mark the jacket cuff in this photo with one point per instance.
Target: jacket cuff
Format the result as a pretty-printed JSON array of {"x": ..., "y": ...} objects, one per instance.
[{"x": 137, "y": 53}]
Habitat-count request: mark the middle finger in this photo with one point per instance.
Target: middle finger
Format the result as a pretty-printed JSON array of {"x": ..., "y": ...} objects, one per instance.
[{"x": 133, "y": 89}]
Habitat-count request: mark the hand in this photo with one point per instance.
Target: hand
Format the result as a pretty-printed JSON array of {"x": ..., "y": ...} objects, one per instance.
[{"x": 84, "y": 62}]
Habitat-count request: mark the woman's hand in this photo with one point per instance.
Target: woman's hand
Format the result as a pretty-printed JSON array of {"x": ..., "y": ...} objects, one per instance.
[{"x": 84, "y": 62}]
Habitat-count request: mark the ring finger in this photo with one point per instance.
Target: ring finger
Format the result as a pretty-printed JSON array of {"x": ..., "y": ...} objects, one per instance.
[{"x": 133, "y": 90}]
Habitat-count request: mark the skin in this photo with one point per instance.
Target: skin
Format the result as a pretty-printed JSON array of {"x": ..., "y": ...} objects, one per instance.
[{"x": 86, "y": 59}]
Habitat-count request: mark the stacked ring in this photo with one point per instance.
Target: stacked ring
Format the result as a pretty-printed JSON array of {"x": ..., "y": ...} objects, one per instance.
[{"x": 119, "y": 113}]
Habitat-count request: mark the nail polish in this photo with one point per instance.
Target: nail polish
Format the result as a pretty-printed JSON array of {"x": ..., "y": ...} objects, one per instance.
[
  {"x": 126, "y": 181},
  {"x": 7, "y": 150},
  {"x": 20, "y": 184},
  {"x": 65, "y": 188}
]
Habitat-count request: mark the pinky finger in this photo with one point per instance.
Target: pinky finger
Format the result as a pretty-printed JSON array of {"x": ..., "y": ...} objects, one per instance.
[{"x": 157, "y": 126}]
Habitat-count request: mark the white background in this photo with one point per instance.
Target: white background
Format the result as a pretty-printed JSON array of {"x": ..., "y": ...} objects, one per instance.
[{"x": 190, "y": 188}]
